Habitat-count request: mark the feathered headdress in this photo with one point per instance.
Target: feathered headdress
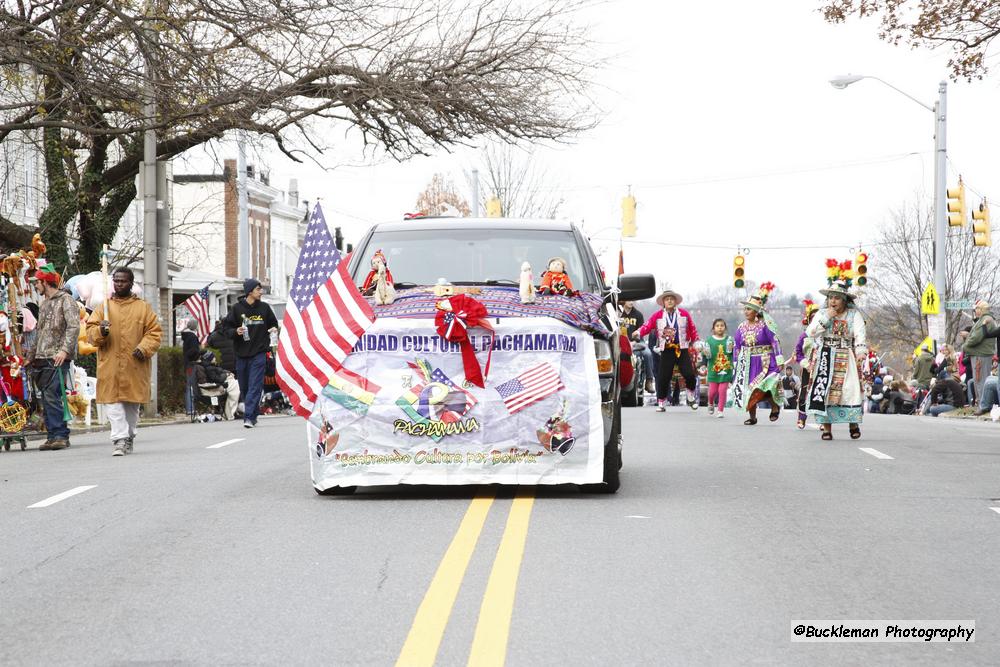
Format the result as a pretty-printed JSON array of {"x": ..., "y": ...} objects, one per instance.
[
  {"x": 839, "y": 272},
  {"x": 810, "y": 308},
  {"x": 759, "y": 300}
]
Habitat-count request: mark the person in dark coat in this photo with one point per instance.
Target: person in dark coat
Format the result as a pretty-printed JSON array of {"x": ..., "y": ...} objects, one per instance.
[
  {"x": 222, "y": 342},
  {"x": 249, "y": 324},
  {"x": 190, "y": 350}
]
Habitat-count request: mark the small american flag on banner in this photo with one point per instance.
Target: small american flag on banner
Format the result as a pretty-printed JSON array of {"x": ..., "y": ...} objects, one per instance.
[
  {"x": 197, "y": 305},
  {"x": 530, "y": 386},
  {"x": 324, "y": 318}
]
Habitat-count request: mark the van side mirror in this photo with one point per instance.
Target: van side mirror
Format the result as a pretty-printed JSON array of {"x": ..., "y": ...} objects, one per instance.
[{"x": 636, "y": 286}]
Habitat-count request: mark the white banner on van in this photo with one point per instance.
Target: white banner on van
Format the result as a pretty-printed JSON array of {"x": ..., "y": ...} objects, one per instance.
[{"x": 400, "y": 411}]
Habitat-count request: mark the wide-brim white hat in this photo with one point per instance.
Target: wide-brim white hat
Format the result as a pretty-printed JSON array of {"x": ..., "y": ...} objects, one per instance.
[{"x": 669, "y": 292}]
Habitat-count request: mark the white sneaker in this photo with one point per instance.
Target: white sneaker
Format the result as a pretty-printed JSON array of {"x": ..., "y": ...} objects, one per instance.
[
  {"x": 119, "y": 449},
  {"x": 660, "y": 408},
  {"x": 719, "y": 415},
  {"x": 711, "y": 410},
  {"x": 692, "y": 400}
]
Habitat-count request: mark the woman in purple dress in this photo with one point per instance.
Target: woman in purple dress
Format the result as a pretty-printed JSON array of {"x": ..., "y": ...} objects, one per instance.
[{"x": 758, "y": 362}]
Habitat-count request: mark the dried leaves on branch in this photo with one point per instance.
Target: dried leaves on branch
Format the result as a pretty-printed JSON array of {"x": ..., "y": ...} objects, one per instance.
[
  {"x": 408, "y": 75},
  {"x": 967, "y": 27}
]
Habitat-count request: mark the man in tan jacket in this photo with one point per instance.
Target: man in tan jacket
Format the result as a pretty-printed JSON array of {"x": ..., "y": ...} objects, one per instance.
[{"x": 125, "y": 344}]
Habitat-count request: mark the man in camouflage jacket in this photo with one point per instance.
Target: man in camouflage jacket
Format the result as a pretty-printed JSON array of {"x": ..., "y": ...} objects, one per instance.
[{"x": 58, "y": 329}]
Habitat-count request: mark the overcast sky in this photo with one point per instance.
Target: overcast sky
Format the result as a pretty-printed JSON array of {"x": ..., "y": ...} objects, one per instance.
[{"x": 726, "y": 128}]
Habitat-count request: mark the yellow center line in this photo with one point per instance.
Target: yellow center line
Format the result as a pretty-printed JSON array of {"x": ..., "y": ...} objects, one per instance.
[
  {"x": 489, "y": 646},
  {"x": 424, "y": 638}
]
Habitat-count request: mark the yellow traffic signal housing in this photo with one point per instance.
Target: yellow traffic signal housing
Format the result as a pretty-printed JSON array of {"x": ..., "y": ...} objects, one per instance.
[
  {"x": 981, "y": 226},
  {"x": 739, "y": 271},
  {"x": 494, "y": 209},
  {"x": 861, "y": 269},
  {"x": 956, "y": 205},
  {"x": 628, "y": 217}
]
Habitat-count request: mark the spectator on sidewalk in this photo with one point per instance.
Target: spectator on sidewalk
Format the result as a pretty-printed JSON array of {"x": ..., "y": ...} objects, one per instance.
[
  {"x": 190, "y": 350},
  {"x": 990, "y": 397},
  {"x": 125, "y": 344},
  {"x": 923, "y": 371},
  {"x": 249, "y": 326},
  {"x": 223, "y": 342},
  {"x": 946, "y": 395},
  {"x": 210, "y": 375},
  {"x": 980, "y": 345},
  {"x": 55, "y": 346}
]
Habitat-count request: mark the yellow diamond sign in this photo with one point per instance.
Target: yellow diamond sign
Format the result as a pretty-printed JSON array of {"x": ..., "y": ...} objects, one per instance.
[{"x": 930, "y": 302}]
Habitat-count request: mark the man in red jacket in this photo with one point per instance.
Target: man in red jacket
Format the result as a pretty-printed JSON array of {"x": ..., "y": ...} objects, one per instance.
[{"x": 675, "y": 335}]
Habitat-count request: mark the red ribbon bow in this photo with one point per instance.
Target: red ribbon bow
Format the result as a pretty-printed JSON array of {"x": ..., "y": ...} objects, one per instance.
[{"x": 455, "y": 316}]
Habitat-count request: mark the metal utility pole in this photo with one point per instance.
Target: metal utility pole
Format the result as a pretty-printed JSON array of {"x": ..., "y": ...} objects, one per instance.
[
  {"x": 243, "y": 221},
  {"x": 940, "y": 192},
  {"x": 150, "y": 269}
]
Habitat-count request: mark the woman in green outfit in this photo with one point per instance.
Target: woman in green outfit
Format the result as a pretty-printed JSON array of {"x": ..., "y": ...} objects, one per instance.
[{"x": 719, "y": 359}]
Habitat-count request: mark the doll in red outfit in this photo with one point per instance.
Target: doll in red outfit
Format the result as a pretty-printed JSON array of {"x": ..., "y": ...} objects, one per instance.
[{"x": 555, "y": 280}]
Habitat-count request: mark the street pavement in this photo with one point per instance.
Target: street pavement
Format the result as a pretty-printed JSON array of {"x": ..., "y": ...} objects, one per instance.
[{"x": 191, "y": 553}]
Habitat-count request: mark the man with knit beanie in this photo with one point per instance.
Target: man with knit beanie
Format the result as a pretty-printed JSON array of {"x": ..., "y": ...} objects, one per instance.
[
  {"x": 55, "y": 346},
  {"x": 249, "y": 324}
]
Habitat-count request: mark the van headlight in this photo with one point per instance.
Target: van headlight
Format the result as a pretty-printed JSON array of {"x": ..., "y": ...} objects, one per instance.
[{"x": 605, "y": 364}]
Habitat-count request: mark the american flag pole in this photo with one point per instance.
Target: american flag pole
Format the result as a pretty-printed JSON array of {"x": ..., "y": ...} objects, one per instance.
[{"x": 324, "y": 318}]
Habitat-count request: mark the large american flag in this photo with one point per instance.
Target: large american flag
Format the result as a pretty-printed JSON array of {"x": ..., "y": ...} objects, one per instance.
[
  {"x": 324, "y": 318},
  {"x": 530, "y": 386},
  {"x": 197, "y": 305}
]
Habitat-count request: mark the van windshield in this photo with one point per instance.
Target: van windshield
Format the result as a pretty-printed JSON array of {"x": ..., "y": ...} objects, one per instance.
[{"x": 474, "y": 255}]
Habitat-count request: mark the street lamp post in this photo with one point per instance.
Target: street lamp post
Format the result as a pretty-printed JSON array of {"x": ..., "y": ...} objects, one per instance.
[{"x": 940, "y": 163}]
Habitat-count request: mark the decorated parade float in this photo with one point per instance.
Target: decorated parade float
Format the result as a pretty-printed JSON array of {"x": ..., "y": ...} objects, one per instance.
[{"x": 470, "y": 371}]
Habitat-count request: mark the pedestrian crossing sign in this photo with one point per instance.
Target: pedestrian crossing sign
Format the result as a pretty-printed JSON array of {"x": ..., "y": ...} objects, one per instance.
[
  {"x": 930, "y": 302},
  {"x": 925, "y": 343}
]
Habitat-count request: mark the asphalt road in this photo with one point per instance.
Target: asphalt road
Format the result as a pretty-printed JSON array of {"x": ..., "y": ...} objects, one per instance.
[{"x": 720, "y": 536}]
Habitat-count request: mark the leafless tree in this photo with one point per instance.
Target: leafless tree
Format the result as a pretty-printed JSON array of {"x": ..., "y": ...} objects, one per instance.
[
  {"x": 967, "y": 27},
  {"x": 441, "y": 198},
  {"x": 407, "y": 75},
  {"x": 901, "y": 265},
  {"x": 516, "y": 178}
]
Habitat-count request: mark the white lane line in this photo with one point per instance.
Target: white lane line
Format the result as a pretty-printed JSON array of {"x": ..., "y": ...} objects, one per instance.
[
  {"x": 996, "y": 509},
  {"x": 62, "y": 496},
  {"x": 815, "y": 426},
  {"x": 225, "y": 443},
  {"x": 636, "y": 516},
  {"x": 876, "y": 453}
]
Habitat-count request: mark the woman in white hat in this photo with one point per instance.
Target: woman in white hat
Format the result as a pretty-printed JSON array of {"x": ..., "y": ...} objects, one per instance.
[
  {"x": 758, "y": 361},
  {"x": 840, "y": 362},
  {"x": 675, "y": 336}
]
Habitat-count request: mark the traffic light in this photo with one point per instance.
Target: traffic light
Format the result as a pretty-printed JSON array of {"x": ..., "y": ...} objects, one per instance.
[
  {"x": 739, "y": 270},
  {"x": 956, "y": 205},
  {"x": 861, "y": 269},
  {"x": 628, "y": 217},
  {"x": 981, "y": 226},
  {"x": 494, "y": 209}
]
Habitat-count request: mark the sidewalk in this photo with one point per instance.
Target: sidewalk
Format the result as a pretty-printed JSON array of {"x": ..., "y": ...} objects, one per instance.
[{"x": 81, "y": 429}]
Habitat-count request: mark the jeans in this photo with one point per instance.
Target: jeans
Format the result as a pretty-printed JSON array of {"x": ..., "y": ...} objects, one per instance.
[
  {"x": 189, "y": 389},
  {"x": 991, "y": 394},
  {"x": 250, "y": 375},
  {"x": 647, "y": 363},
  {"x": 53, "y": 394},
  {"x": 935, "y": 410}
]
